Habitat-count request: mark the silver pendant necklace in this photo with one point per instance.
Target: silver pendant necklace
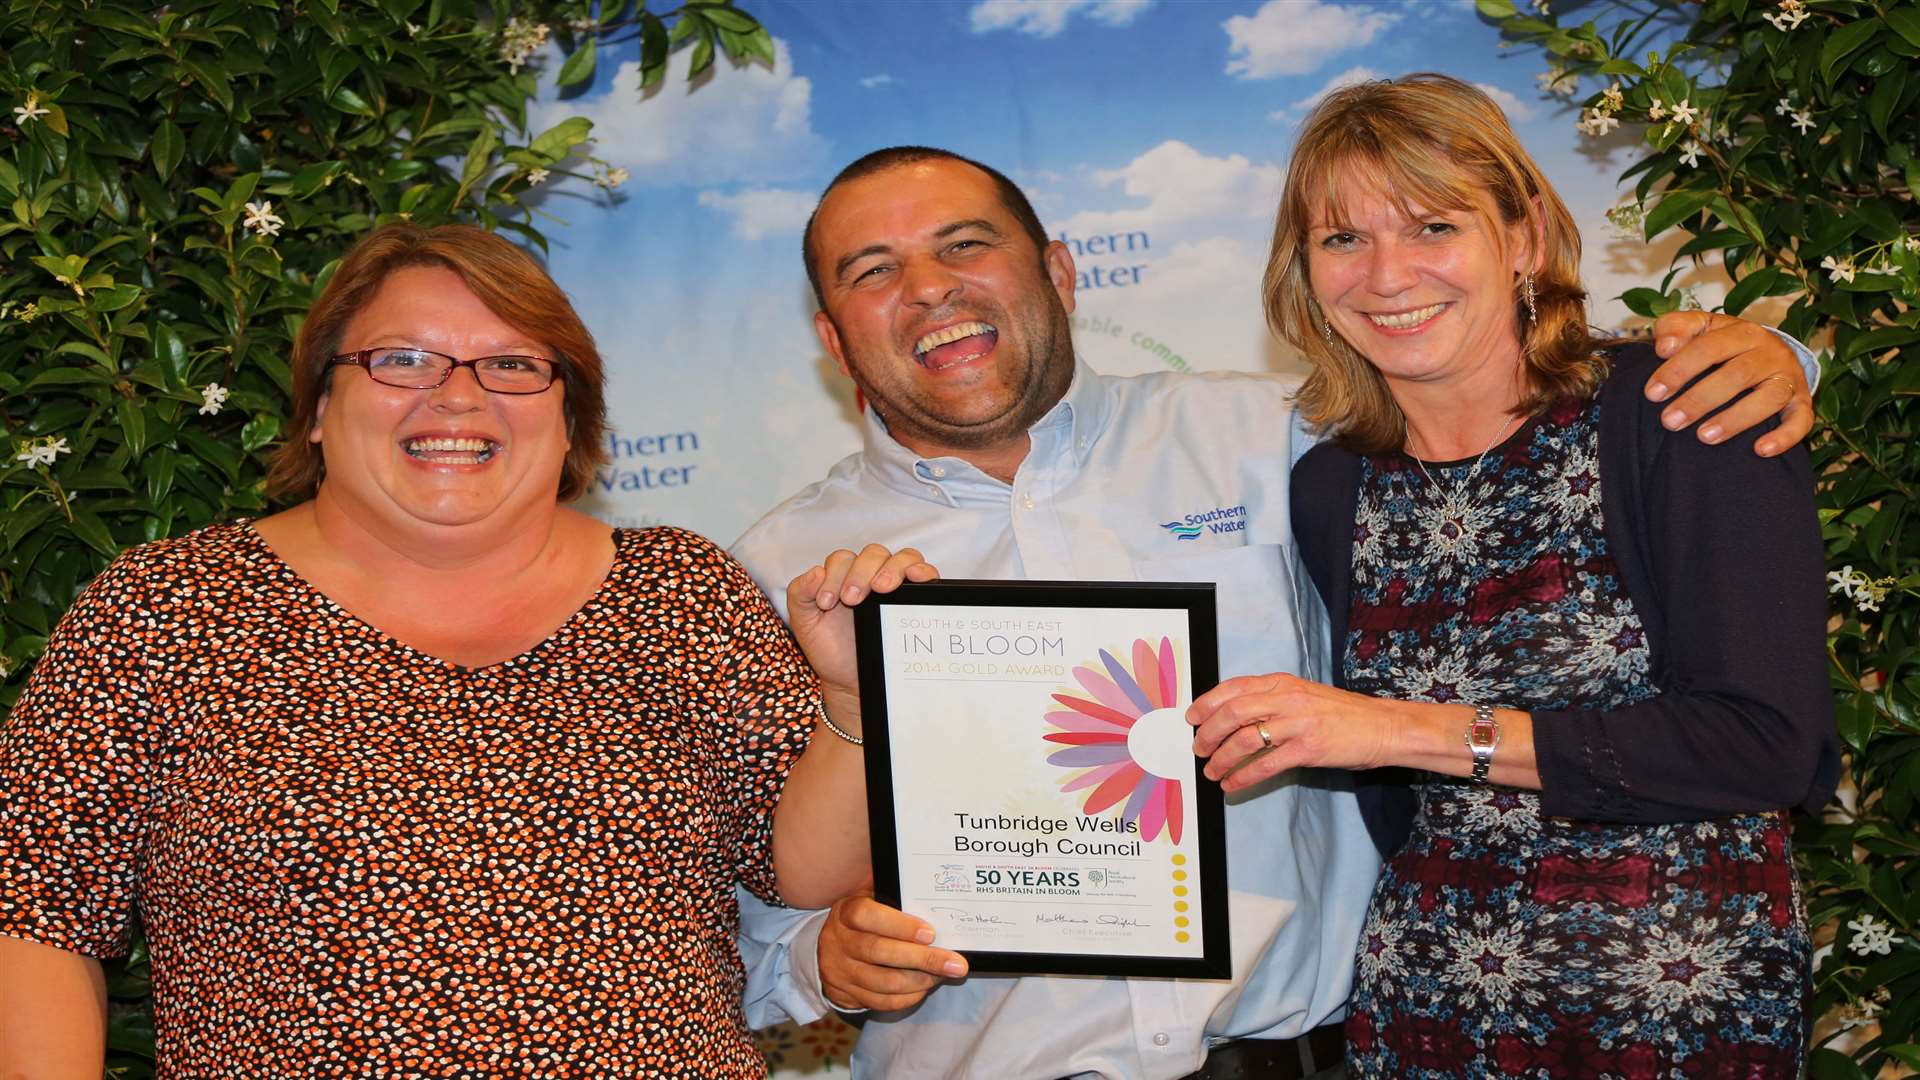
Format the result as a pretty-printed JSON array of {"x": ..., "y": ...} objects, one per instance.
[{"x": 1455, "y": 502}]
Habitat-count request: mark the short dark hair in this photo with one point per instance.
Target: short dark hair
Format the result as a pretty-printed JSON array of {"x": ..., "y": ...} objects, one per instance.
[{"x": 892, "y": 157}]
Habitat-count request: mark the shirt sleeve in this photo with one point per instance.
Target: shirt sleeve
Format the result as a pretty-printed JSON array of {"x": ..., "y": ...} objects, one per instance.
[
  {"x": 771, "y": 699},
  {"x": 781, "y": 947},
  {"x": 1726, "y": 549},
  {"x": 76, "y": 768}
]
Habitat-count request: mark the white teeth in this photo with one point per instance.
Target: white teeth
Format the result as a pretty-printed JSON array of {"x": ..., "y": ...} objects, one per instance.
[
  {"x": 472, "y": 446},
  {"x": 1407, "y": 319},
  {"x": 951, "y": 333}
]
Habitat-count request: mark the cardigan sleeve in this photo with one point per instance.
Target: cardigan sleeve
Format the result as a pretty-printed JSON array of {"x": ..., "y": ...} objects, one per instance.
[{"x": 1720, "y": 550}]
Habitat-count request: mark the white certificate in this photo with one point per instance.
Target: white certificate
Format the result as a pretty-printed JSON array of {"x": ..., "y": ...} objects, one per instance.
[{"x": 1030, "y": 769}]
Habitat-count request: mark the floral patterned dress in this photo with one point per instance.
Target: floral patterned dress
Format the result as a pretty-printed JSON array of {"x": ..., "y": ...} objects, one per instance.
[{"x": 1501, "y": 942}]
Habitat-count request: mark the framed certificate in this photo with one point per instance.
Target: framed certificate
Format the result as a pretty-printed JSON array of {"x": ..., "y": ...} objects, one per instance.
[{"x": 1031, "y": 782}]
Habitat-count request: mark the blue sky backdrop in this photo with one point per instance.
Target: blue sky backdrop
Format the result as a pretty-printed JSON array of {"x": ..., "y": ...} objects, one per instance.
[{"x": 1165, "y": 121}]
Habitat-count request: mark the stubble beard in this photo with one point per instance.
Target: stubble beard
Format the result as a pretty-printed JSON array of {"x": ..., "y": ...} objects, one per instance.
[{"x": 1048, "y": 372}]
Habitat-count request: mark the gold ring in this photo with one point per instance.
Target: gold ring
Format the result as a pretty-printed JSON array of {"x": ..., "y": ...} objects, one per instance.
[
  {"x": 1782, "y": 378},
  {"x": 1266, "y": 740}
]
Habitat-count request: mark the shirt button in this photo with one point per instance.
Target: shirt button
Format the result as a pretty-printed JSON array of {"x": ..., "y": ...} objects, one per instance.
[
  {"x": 939, "y": 471},
  {"x": 1160, "y": 1038},
  {"x": 1028, "y": 502}
]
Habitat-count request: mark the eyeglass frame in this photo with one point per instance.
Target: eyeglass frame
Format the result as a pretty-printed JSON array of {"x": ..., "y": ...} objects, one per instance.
[{"x": 362, "y": 359}]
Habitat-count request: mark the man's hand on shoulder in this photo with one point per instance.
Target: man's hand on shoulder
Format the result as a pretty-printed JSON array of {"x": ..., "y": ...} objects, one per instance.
[
  {"x": 1750, "y": 357},
  {"x": 876, "y": 957}
]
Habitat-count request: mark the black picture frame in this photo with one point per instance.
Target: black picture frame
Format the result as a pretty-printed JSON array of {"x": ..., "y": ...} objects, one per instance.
[{"x": 883, "y": 728}]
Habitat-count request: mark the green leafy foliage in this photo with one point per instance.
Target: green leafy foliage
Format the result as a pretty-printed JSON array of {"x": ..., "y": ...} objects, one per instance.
[
  {"x": 1779, "y": 137},
  {"x": 176, "y": 184}
]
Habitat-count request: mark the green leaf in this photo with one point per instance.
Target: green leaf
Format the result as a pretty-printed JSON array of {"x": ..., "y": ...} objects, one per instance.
[
  {"x": 554, "y": 143},
  {"x": 89, "y": 528},
  {"x": 133, "y": 426},
  {"x": 345, "y": 100},
  {"x": 1905, "y": 21},
  {"x": 91, "y": 352},
  {"x": 167, "y": 146},
  {"x": 1886, "y": 95},
  {"x": 1495, "y": 9},
  {"x": 1841, "y": 44},
  {"x": 579, "y": 66},
  {"x": 727, "y": 18},
  {"x": 479, "y": 158},
  {"x": 702, "y": 55},
  {"x": 1675, "y": 207},
  {"x": 259, "y": 431},
  {"x": 1751, "y": 288}
]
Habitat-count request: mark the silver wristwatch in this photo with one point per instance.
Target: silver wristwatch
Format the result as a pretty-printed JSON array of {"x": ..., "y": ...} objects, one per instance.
[{"x": 1483, "y": 734}]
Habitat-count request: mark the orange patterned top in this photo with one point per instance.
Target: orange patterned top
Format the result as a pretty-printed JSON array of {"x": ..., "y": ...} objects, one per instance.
[{"x": 352, "y": 857}]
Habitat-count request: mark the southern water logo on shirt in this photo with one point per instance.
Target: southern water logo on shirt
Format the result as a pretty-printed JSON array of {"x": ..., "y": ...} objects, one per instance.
[{"x": 1220, "y": 519}]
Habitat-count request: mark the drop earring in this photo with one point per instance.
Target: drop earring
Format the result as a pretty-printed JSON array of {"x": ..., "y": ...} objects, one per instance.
[{"x": 1526, "y": 293}]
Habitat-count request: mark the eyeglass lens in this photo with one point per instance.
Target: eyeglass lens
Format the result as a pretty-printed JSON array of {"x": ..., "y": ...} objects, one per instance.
[{"x": 419, "y": 369}]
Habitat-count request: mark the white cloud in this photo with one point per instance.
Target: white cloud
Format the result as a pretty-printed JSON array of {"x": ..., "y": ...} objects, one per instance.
[
  {"x": 1516, "y": 109},
  {"x": 745, "y": 124},
  {"x": 1045, "y": 18},
  {"x": 1293, "y": 37},
  {"x": 1180, "y": 186},
  {"x": 759, "y": 212},
  {"x": 1349, "y": 77},
  {"x": 872, "y": 81}
]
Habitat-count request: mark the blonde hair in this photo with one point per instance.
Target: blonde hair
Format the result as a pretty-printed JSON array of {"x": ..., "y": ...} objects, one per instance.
[{"x": 1435, "y": 141}]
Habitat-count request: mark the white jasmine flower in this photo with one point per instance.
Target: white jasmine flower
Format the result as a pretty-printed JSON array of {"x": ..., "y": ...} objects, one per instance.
[
  {"x": 520, "y": 40},
  {"x": 1656, "y": 111},
  {"x": 537, "y": 176},
  {"x": 1558, "y": 80},
  {"x": 262, "y": 220},
  {"x": 1791, "y": 14},
  {"x": 1594, "y": 122},
  {"x": 1684, "y": 113},
  {"x": 1913, "y": 245},
  {"x": 1613, "y": 98},
  {"x": 30, "y": 111},
  {"x": 1838, "y": 269},
  {"x": 1690, "y": 152},
  {"x": 612, "y": 178},
  {"x": 1783, "y": 108},
  {"x": 1803, "y": 120},
  {"x": 42, "y": 452},
  {"x": 1871, "y": 936},
  {"x": 212, "y": 397},
  {"x": 1626, "y": 221}
]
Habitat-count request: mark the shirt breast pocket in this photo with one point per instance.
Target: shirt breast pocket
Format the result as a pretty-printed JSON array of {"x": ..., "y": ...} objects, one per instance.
[{"x": 1261, "y": 627}]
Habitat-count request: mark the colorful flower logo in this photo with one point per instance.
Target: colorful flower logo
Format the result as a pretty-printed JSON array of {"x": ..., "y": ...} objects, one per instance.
[{"x": 1129, "y": 740}]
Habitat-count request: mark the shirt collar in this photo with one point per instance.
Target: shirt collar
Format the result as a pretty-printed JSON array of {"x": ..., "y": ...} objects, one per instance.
[{"x": 1072, "y": 426}]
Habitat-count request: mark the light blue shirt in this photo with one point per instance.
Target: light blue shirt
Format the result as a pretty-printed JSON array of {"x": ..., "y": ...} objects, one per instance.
[{"x": 1119, "y": 474}]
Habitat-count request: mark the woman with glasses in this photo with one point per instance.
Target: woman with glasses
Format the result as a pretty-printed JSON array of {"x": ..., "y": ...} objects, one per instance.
[{"x": 429, "y": 774}]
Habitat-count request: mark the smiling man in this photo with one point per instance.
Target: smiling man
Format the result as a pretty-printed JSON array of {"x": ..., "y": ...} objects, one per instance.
[{"x": 992, "y": 450}]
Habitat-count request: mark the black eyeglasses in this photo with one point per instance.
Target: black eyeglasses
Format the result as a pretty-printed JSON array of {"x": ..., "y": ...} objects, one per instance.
[{"x": 419, "y": 369}]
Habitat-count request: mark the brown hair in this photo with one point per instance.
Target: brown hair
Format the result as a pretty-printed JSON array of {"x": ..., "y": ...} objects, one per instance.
[
  {"x": 504, "y": 278},
  {"x": 1012, "y": 199},
  {"x": 1435, "y": 141}
]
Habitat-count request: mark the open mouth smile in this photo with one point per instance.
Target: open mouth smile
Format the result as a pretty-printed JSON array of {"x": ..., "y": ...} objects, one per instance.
[
  {"x": 955, "y": 344},
  {"x": 447, "y": 451},
  {"x": 1406, "y": 320}
]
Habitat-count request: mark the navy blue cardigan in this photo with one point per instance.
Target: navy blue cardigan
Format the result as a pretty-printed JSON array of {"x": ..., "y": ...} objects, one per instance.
[{"x": 1720, "y": 552}]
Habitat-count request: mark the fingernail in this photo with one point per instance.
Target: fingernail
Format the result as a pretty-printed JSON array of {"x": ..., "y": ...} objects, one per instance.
[
  {"x": 924, "y": 935},
  {"x": 1666, "y": 345},
  {"x": 1674, "y": 419},
  {"x": 1657, "y": 391},
  {"x": 954, "y": 968},
  {"x": 1710, "y": 433},
  {"x": 853, "y": 594},
  {"x": 823, "y": 601}
]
